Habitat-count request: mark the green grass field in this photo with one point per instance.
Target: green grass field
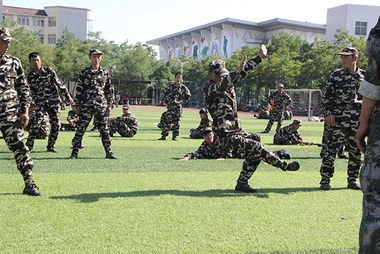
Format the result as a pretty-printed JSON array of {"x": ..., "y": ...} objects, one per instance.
[{"x": 149, "y": 202}]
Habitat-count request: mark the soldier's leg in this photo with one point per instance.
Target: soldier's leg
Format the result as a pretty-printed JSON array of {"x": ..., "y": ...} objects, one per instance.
[
  {"x": 85, "y": 116},
  {"x": 101, "y": 118},
  {"x": 176, "y": 116},
  {"x": 165, "y": 124},
  {"x": 334, "y": 139},
  {"x": 369, "y": 233},
  {"x": 249, "y": 167},
  {"x": 279, "y": 120},
  {"x": 35, "y": 125},
  {"x": 195, "y": 133},
  {"x": 270, "y": 122},
  {"x": 13, "y": 136},
  {"x": 354, "y": 160},
  {"x": 54, "y": 113}
]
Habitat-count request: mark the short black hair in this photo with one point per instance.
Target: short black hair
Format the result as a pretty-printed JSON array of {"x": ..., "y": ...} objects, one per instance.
[
  {"x": 33, "y": 55},
  {"x": 177, "y": 73}
]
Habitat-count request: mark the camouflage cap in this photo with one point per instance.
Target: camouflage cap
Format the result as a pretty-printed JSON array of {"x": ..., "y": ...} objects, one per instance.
[
  {"x": 203, "y": 111},
  {"x": 349, "y": 51},
  {"x": 206, "y": 130},
  {"x": 126, "y": 106},
  {"x": 298, "y": 122},
  {"x": 5, "y": 35},
  {"x": 218, "y": 67},
  {"x": 95, "y": 52}
]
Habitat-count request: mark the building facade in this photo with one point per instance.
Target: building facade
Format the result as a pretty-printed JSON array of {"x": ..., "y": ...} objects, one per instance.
[
  {"x": 50, "y": 22},
  {"x": 355, "y": 19},
  {"x": 224, "y": 36}
]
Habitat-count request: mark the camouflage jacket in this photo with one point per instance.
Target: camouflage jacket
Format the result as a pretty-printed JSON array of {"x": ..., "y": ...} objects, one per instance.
[
  {"x": 205, "y": 151},
  {"x": 129, "y": 120},
  {"x": 287, "y": 135},
  {"x": 279, "y": 100},
  {"x": 13, "y": 84},
  {"x": 221, "y": 99},
  {"x": 341, "y": 92},
  {"x": 94, "y": 88},
  {"x": 176, "y": 96},
  {"x": 46, "y": 87}
]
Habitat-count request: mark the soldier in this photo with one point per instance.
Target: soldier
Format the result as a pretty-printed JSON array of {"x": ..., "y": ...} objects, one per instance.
[
  {"x": 175, "y": 96},
  {"x": 94, "y": 97},
  {"x": 221, "y": 102},
  {"x": 279, "y": 101},
  {"x": 341, "y": 109},
  {"x": 45, "y": 88},
  {"x": 72, "y": 121},
  {"x": 126, "y": 125},
  {"x": 14, "y": 104},
  {"x": 205, "y": 122},
  {"x": 288, "y": 135},
  {"x": 369, "y": 234},
  {"x": 211, "y": 148}
]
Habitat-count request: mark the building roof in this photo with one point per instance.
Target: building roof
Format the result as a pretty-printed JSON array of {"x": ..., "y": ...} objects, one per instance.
[
  {"x": 23, "y": 11},
  {"x": 264, "y": 26}
]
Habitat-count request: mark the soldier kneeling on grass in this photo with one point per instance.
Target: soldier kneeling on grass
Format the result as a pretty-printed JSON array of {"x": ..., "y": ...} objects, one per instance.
[
  {"x": 205, "y": 122},
  {"x": 126, "y": 125},
  {"x": 288, "y": 135}
]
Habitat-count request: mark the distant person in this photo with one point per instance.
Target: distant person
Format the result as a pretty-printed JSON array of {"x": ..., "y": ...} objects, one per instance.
[
  {"x": 279, "y": 100},
  {"x": 288, "y": 135},
  {"x": 14, "y": 105},
  {"x": 94, "y": 98},
  {"x": 205, "y": 122},
  {"x": 341, "y": 107},
  {"x": 175, "y": 96},
  {"x": 126, "y": 125},
  {"x": 46, "y": 90},
  {"x": 72, "y": 121}
]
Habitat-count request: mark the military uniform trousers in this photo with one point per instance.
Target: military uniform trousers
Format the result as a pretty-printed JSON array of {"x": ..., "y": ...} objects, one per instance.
[
  {"x": 54, "y": 113},
  {"x": 253, "y": 153},
  {"x": 170, "y": 121},
  {"x": 11, "y": 129},
  {"x": 85, "y": 115},
  {"x": 341, "y": 133},
  {"x": 274, "y": 115},
  {"x": 119, "y": 126}
]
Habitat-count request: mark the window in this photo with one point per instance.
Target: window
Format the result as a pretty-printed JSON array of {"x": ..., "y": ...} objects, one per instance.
[
  {"x": 52, "y": 38},
  {"x": 23, "y": 20},
  {"x": 38, "y": 22},
  {"x": 360, "y": 28},
  {"x": 52, "y": 21},
  {"x": 42, "y": 37}
]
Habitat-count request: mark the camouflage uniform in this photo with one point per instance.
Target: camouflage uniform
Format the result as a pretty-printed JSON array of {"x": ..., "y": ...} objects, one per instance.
[
  {"x": 281, "y": 101},
  {"x": 94, "y": 93},
  {"x": 14, "y": 100},
  {"x": 287, "y": 136},
  {"x": 206, "y": 151},
  {"x": 170, "y": 120},
  {"x": 197, "y": 132},
  {"x": 369, "y": 234},
  {"x": 221, "y": 103},
  {"x": 43, "y": 130},
  {"x": 340, "y": 98},
  {"x": 126, "y": 125},
  {"x": 72, "y": 120},
  {"x": 46, "y": 88}
]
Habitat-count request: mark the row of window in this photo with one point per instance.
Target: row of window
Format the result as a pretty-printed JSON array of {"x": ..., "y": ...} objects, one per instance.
[
  {"x": 40, "y": 22},
  {"x": 52, "y": 38}
]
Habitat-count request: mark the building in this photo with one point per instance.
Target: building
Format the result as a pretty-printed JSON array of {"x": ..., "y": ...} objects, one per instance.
[
  {"x": 355, "y": 19},
  {"x": 50, "y": 22},
  {"x": 224, "y": 36}
]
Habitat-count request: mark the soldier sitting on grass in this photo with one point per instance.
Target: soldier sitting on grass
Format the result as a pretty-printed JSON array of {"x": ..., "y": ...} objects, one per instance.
[
  {"x": 288, "y": 135},
  {"x": 205, "y": 122}
]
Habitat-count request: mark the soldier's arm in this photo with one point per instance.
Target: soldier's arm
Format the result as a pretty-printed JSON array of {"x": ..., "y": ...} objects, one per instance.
[
  {"x": 109, "y": 90},
  {"x": 328, "y": 96},
  {"x": 33, "y": 92},
  {"x": 61, "y": 87},
  {"x": 22, "y": 88}
]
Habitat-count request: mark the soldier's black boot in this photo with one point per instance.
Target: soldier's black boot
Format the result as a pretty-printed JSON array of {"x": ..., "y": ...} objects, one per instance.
[
  {"x": 31, "y": 189},
  {"x": 292, "y": 166},
  {"x": 325, "y": 184},
  {"x": 353, "y": 185},
  {"x": 163, "y": 137},
  {"x": 244, "y": 187},
  {"x": 174, "y": 138},
  {"x": 74, "y": 154},
  {"x": 51, "y": 149},
  {"x": 110, "y": 155}
]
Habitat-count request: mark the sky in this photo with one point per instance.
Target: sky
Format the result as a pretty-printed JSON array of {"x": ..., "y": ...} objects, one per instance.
[{"x": 144, "y": 20}]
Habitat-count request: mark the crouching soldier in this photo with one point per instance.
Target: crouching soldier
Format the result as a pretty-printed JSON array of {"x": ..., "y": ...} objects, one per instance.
[{"x": 126, "y": 125}]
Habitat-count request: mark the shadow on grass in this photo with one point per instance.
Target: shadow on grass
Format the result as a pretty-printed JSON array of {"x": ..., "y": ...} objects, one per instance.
[
  {"x": 320, "y": 251},
  {"x": 215, "y": 193}
]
